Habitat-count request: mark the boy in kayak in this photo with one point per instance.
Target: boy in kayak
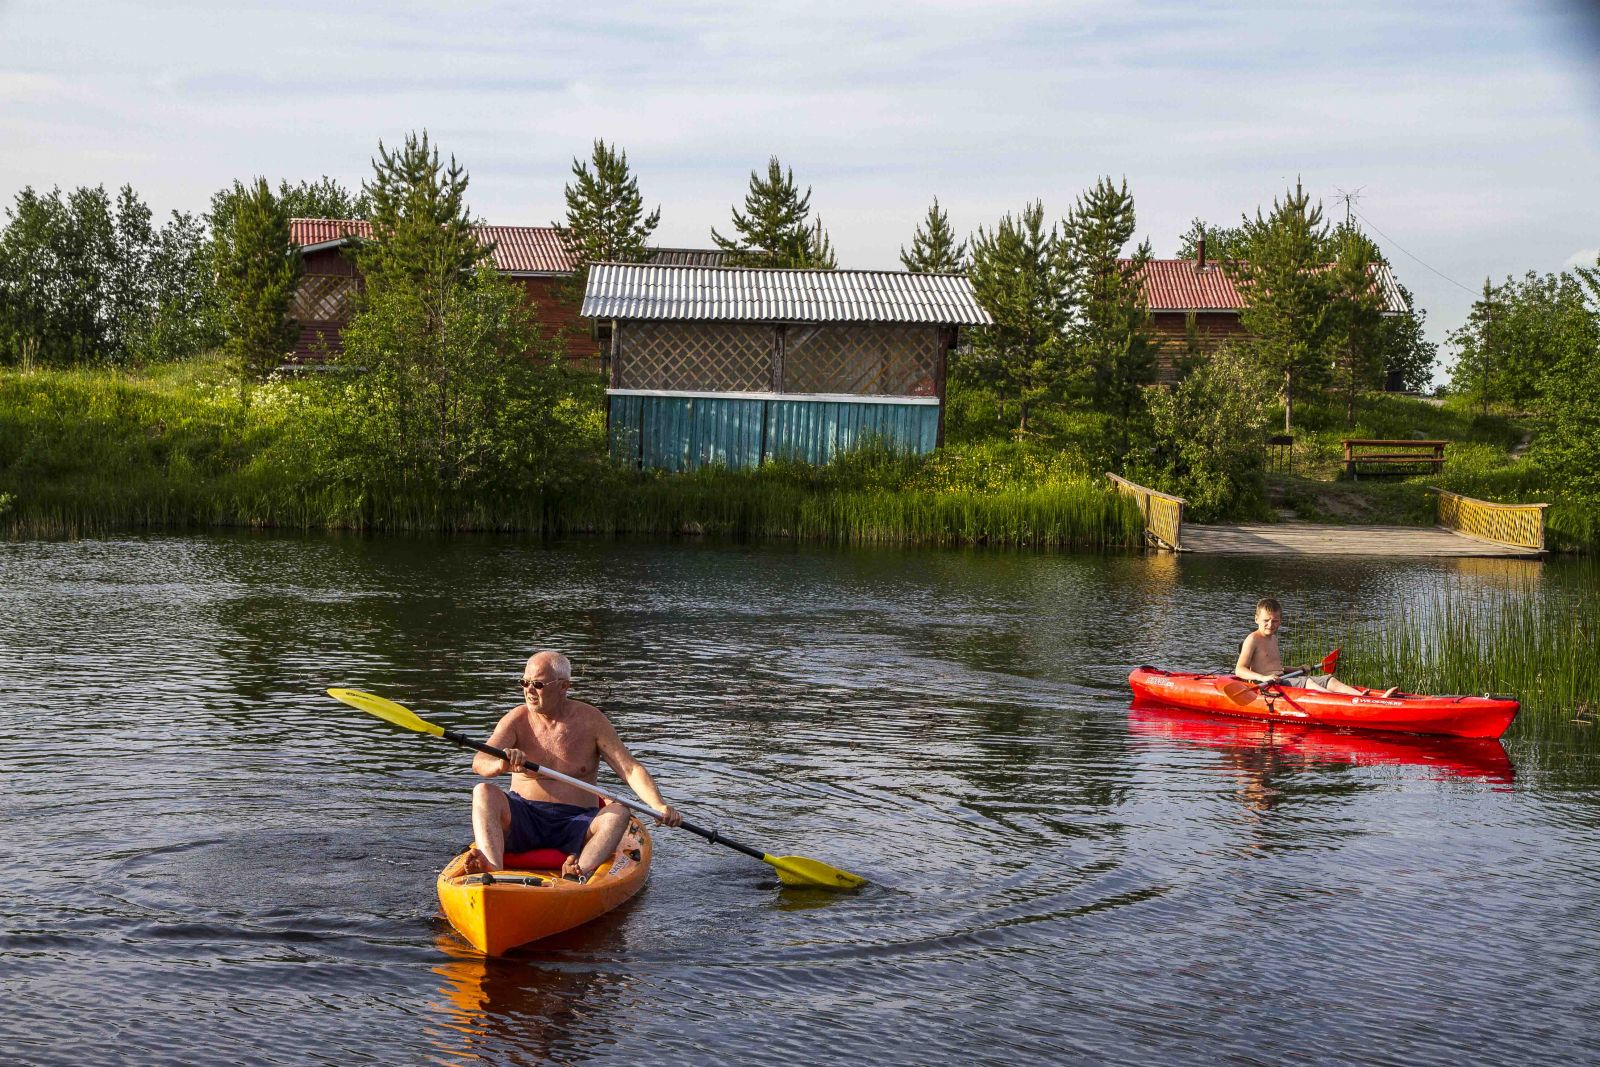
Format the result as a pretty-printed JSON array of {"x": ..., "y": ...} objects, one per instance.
[
  {"x": 1260, "y": 659},
  {"x": 568, "y": 736}
]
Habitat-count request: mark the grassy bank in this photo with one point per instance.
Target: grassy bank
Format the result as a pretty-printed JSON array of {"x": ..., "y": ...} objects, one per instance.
[
  {"x": 1536, "y": 644},
  {"x": 83, "y": 452},
  {"x": 1484, "y": 459}
]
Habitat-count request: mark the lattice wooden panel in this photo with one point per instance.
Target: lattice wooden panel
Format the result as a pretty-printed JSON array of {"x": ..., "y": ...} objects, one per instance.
[
  {"x": 866, "y": 360},
  {"x": 322, "y": 298},
  {"x": 733, "y": 357},
  {"x": 1517, "y": 525}
]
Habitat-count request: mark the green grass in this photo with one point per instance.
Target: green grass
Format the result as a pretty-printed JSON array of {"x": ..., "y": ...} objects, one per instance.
[{"x": 84, "y": 451}]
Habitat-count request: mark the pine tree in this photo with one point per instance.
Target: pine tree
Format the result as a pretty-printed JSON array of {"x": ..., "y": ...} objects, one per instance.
[
  {"x": 775, "y": 229},
  {"x": 1286, "y": 292},
  {"x": 934, "y": 249},
  {"x": 1354, "y": 320},
  {"x": 1110, "y": 326},
  {"x": 423, "y": 235},
  {"x": 606, "y": 222},
  {"x": 256, "y": 272},
  {"x": 441, "y": 336},
  {"x": 1019, "y": 276}
]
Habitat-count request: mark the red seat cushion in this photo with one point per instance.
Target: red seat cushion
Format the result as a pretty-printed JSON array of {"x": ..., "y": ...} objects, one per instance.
[{"x": 538, "y": 859}]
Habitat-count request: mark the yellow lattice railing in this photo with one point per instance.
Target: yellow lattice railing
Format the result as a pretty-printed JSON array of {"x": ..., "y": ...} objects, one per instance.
[
  {"x": 1517, "y": 525},
  {"x": 1163, "y": 514}
]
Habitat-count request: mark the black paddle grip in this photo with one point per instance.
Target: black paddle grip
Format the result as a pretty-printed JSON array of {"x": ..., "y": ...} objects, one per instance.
[{"x": 717, "y": 839}]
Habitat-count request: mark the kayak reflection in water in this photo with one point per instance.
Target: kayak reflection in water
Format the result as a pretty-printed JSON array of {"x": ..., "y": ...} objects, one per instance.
[
  {"x": 1260, "y": 659},
  {"x": 565, "y": 735}
]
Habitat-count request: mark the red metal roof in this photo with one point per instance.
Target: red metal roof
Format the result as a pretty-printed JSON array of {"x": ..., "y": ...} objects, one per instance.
[
  {"x": 1178, "y": 285},
  {"x": 517, "y": 249}
]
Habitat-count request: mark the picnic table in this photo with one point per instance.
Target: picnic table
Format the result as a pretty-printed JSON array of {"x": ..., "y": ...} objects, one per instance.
[{"x": 1426, "y": 453}]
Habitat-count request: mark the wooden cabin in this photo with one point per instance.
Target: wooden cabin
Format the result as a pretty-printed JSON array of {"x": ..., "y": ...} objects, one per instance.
[
  {"x": 739, "y": 365},
  {"x": 533, "y": 256},
  {"x": 1195, "y": 307}
]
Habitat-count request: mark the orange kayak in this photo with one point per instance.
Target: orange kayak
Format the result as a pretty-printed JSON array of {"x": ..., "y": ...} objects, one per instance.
[{"x": 514, "y": 907}]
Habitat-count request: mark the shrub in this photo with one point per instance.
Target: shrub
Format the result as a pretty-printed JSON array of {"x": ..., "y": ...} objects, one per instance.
[{"x": 1209, "y": 436}]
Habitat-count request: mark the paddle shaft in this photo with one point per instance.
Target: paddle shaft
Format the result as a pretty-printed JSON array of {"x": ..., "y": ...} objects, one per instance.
[{"x": 644, "y": 809}]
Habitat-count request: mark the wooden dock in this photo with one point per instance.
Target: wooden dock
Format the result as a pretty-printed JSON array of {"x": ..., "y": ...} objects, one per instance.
[{"x": 1315, "y": 539}]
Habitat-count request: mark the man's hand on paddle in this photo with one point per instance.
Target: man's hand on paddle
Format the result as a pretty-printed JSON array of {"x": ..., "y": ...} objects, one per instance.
[
  {"x": 670, "y": 817},
  {"x": 514, "y": 761}
]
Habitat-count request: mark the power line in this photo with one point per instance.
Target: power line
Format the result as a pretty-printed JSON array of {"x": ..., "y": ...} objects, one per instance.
[{"x": 1396, "y": 244}]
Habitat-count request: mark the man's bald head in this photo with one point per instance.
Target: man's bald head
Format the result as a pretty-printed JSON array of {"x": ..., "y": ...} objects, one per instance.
[{"x": 558, "y": 666}]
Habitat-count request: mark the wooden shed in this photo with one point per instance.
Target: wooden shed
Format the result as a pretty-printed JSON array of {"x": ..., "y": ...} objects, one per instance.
[{"x": 739, "y": 365}]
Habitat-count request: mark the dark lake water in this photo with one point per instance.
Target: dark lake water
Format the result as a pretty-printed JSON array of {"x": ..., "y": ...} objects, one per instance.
[{"x": 207, "y": 861}]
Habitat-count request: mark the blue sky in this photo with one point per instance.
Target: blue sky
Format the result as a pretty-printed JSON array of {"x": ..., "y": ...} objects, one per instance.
[{"x": 1471, "y": 129}]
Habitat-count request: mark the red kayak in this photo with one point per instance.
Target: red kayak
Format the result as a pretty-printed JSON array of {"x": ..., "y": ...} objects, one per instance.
[{"x": 1412, "y": 713}]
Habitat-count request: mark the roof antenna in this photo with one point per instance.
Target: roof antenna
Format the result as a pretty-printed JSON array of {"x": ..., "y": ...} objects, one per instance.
[{"x": 1351, "y": 197}]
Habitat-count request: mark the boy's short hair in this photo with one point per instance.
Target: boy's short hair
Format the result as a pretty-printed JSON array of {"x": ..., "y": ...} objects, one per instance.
[{"x": 1269, "y": 604}]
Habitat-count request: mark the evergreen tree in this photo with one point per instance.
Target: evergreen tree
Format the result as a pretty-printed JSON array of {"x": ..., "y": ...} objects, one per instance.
[
  {"x": 775, "y": 228},
  {"x": 443, "y": 340},
  {"x": 1222, "y": 242},
  {"x": 1286, "y": 292},
  {"x": 1110, "y": 323},
  {"x": 1353, "y": 316},
  {"x": 256, "y": 272},
  {"x": 324, "y": 198},
  {"x": 1019, "y": 276},
  {"x": 606, "y": 221},
  {"x": 934, "y": 249},
  {"x": 423, "y": 236},
  {"x": 814, "y": 249}
]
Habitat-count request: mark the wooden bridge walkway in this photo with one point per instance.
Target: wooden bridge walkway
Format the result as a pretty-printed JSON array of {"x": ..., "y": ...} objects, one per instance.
[
  {"x": 1467, "y": 527},
  {"x": 1306, "y": 539}
]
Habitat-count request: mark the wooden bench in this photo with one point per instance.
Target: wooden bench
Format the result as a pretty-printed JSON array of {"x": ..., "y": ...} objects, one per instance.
[{"x": 1426, "y": 453}]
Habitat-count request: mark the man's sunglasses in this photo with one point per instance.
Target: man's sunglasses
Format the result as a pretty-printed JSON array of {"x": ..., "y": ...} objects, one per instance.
[{"x": 534, "y": 684}]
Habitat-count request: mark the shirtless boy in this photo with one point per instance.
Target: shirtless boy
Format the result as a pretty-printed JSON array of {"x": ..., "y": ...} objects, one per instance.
[
  {"x": 1260, "y": 660},
  {"x": 568, "y": 736}
]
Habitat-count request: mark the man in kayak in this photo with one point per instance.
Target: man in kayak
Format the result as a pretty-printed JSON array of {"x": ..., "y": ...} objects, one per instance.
[
  {"x": 1260, "y": 660},
  {"x": 568, "y": 736}
]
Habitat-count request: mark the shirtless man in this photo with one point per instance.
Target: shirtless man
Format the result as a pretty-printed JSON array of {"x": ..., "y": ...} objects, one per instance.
[
  {"x": 567, "y": 736},
  {"x": 1261, "y": 661}
]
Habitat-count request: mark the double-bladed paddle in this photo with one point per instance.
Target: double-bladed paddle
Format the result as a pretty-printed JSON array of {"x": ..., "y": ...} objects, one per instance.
[
  {"x": 792, "y": 870},
  {"x": 1243, "y": 693}
]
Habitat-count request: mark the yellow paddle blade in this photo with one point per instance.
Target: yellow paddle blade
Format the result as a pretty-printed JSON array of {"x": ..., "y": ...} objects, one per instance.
[
  {"x": 386, "y": 710},
  {"x": 799, "y": 870}
]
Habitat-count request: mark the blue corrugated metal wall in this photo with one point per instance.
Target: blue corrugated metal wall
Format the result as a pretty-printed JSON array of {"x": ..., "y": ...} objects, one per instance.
[{"x": 679, "y": 433}]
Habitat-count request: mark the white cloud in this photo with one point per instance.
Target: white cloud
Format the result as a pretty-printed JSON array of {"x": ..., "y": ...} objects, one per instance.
[{"x": 1583, "y": 257}]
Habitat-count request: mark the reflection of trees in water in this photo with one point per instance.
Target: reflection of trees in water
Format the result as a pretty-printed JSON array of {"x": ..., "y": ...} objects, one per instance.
[{"x": 520, "y": 1010}]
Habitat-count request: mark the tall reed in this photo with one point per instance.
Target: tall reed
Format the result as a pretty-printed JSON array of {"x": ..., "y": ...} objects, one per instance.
[{"x": 1541, "y": 646}]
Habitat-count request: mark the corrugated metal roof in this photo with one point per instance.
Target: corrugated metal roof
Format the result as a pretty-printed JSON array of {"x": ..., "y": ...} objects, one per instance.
[
  {"x": 758, "y": 294},
  {"x": 690, "y": 257},
  {"x": 517, "y": 249},
  {"x": 1179, "y": 285}
]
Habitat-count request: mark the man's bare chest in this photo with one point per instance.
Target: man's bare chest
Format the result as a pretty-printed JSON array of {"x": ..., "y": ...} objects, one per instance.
[{"x": 569, "y": 747}]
